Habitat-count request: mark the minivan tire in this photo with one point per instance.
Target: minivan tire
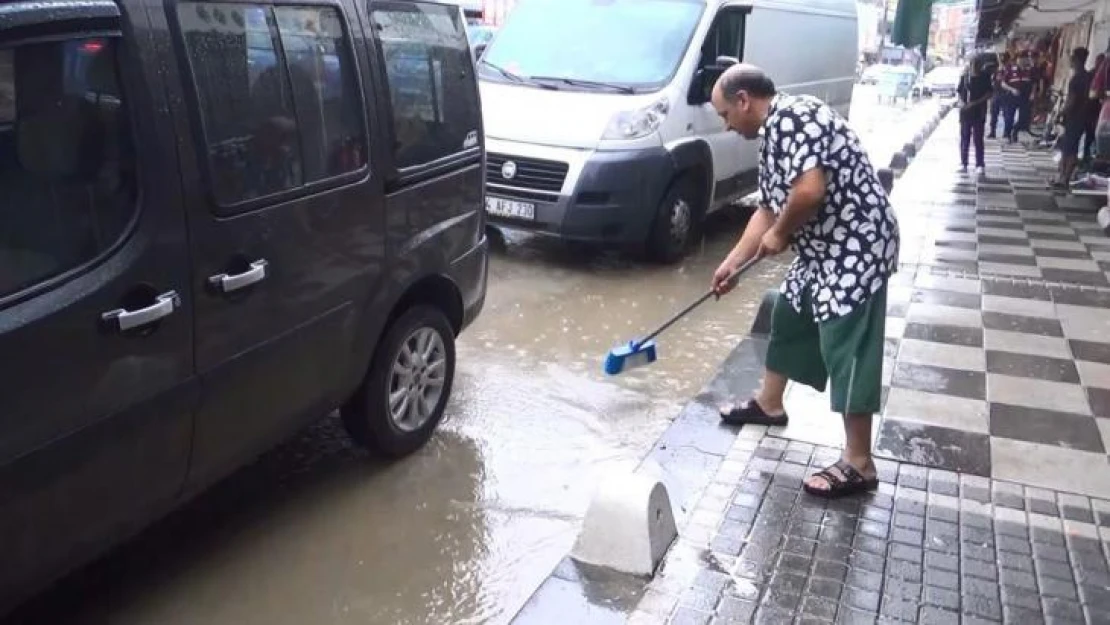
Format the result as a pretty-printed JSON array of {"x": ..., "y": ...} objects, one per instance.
[
  {"x": 369, "y": 417},
  {"x": 677, "y": 222}
]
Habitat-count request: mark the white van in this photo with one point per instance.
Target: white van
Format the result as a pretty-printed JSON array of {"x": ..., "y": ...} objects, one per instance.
[{"x": 597, "y": 115}]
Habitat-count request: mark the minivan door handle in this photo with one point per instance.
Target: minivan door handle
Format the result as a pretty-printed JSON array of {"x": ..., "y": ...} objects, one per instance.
[
  {"x": 123, "y": 320},
  {"x": 226, "y": 283}
]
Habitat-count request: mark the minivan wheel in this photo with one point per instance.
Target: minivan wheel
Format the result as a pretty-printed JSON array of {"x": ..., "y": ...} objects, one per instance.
[
  {"x": 676, "y": 223},
  {"x": 407, "y": 388}
]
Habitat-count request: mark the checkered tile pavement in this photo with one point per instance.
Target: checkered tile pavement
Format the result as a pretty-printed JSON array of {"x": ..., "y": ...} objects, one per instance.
[
  {"x": 998, "y": 329},
  {"x": 931, "y": 546}
]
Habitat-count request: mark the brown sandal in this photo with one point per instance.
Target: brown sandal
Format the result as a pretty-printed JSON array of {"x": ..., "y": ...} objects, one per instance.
[
  {"x": 750, "y": 413},
  {"x": 849, "y": 482}
]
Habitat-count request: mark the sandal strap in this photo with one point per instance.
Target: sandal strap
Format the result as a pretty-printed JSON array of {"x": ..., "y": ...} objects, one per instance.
[
  {"x": 850, "y": 472},
  {"x": 832, "y": 479}
]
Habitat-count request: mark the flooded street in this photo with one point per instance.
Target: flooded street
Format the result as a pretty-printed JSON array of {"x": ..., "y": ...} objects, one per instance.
[{"x": 462, "y": 532}]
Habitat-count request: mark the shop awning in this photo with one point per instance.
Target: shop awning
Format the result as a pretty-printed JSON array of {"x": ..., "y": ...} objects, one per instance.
[{"x": 997, "y": 18}]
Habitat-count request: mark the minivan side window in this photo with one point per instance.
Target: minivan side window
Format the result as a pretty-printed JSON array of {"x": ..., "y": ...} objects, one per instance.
[
  {"x": 725, "y": 38},
  {"x": 430, "y": 72},
  {"x": 277, "y": 95},
  {"x": 67, "y": 167}
]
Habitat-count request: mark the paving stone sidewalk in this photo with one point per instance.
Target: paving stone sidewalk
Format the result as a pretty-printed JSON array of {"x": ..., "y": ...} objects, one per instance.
[{"x": 992, "y": 446}]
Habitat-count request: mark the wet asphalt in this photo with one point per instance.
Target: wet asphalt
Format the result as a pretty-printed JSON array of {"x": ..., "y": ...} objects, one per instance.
[{"x": 318, "y": 531}]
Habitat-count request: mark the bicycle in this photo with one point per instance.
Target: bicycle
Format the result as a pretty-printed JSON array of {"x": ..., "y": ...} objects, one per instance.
[{"x": 1047, "y": 133}]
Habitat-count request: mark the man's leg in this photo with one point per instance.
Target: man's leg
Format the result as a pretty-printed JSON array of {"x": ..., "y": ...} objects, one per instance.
[
  {"x": 1088, "y": 140},
  {"x": 996, "y": 104},
  {"x": 977, "y": 136},
  {"x": 1009, "y": 112},
  {"x": 1069, "y": 156},
  {"x": 965, "y": 142},
  {"x": 852, "y": 347},
  {"x": 793, "y": 353}
]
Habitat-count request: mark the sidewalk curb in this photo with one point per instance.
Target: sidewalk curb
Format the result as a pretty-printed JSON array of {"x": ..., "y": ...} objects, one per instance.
[
  {"x": 902, "y": 158},
  {"x": 685, "y": 458}
]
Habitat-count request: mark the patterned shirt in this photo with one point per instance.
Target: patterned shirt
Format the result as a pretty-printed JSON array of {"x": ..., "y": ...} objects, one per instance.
[{"x": 846, "y": 252}]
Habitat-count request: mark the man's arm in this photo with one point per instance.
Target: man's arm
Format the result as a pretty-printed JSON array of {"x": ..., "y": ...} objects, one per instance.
[{"x": 807, "y": 194}]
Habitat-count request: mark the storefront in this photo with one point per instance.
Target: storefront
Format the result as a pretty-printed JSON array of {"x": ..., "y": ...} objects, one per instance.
[{"x": 494, "y": 12}]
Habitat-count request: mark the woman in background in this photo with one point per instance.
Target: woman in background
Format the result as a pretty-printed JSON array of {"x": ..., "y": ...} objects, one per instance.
[{"x": 974, "y": 91}]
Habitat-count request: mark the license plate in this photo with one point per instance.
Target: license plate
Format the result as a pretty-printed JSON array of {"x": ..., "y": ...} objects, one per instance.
[{"x": 510, "y": 208}]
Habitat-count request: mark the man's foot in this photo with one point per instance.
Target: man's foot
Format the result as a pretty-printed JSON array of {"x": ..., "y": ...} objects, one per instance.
[
  {"x": 963, "y": 169},
  {"x": 842, "y": 479},
  {"x": 751, "y": 413},
  {"x": 980, "y": 171}
]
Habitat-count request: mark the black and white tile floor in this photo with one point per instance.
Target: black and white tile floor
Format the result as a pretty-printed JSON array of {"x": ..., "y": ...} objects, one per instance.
[{"x": 993, "y": 442}]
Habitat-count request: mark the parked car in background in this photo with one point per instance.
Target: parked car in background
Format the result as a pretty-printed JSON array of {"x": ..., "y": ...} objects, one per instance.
[
  {"x": 873, "y": 73},
  {"x": 607, "y": 135},
  {"x": 222, "y": 221},
  {"x": 942, "y": 81}
]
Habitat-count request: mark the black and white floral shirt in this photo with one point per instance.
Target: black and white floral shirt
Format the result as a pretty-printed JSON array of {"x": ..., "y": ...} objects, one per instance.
[{"x": 847, "y": 251}]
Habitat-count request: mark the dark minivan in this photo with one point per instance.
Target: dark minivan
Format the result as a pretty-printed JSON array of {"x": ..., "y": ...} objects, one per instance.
[{"x": 220, "y": 221}]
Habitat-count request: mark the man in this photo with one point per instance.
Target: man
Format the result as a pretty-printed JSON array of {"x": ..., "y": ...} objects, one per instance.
[
  {"x": 1026, "y": 83},
  {"x": 1075, "y": 113},
  {"x": 1100, "y": 83},
  {"x": 973, "y": 90},
  {"x": 1094, "y": 108},
  {"x": 1017, "y": 84},
  {"x": 821, "y": 197}
]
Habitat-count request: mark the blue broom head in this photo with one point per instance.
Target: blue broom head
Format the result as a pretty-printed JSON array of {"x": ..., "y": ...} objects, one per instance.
[{"x": 629, "y": 356}]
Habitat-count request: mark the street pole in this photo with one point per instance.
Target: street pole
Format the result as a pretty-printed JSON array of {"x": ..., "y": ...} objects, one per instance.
[{"x": 882, "y": 30}]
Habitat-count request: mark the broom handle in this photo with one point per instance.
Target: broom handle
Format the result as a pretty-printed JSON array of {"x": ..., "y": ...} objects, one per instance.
[{"x": 698, "y": 302}]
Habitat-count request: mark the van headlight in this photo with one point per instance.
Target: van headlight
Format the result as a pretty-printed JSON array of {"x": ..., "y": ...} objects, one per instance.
[{"x": 638, "y": 123}]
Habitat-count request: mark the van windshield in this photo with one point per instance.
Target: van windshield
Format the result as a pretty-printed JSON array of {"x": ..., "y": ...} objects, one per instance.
[{"x": 591, "y": 43}]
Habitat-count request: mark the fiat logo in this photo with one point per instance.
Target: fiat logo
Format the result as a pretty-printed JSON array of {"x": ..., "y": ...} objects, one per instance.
[{"x": 508, "y": 170}]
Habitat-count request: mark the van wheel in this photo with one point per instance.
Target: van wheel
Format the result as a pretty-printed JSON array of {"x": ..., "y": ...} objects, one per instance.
[
  {"x": 677, "y": 220},
  {"x": 405, "y": 393}
]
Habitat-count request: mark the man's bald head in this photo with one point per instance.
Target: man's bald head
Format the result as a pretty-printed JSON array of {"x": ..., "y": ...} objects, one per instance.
[
  {"x": 747, "y": 78},
  {"x": 742, "y": 97}
]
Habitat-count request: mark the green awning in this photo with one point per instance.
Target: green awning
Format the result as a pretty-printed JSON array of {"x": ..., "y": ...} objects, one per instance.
[{"x": 911, "y": 24}]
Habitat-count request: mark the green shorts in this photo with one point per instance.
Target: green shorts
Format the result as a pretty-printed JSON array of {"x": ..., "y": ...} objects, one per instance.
[{"x": 847, "y": 350}]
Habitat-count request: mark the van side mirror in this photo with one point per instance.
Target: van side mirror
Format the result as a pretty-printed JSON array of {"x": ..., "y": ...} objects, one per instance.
[{"x": 701, "y": 85}]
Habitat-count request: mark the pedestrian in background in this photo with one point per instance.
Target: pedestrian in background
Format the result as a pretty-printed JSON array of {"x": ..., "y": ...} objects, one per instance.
[
  {"x": 974, "y": 91},
  {"x": 1100, "y": 82},
  {"x": 821, "y": 197},
  {"x": 1075, "y": 113},
  {"x": 1094, "y": 107},
  {"x": 1026, "y": 84},
  {"x": 1014, "y": 83}
]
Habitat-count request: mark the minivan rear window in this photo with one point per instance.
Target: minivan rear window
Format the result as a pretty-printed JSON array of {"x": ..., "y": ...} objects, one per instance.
[
  {"x": 431, "y": 79},
  {"x": 277, "y": 95}
]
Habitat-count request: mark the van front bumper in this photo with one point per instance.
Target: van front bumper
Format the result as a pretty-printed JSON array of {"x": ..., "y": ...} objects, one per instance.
[{"x": 606, "y": 196}]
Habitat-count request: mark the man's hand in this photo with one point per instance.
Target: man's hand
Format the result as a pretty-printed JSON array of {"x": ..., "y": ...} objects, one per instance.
[
  {"x": 773, "y": 243},
  {"x": 721, "y": 283}
]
